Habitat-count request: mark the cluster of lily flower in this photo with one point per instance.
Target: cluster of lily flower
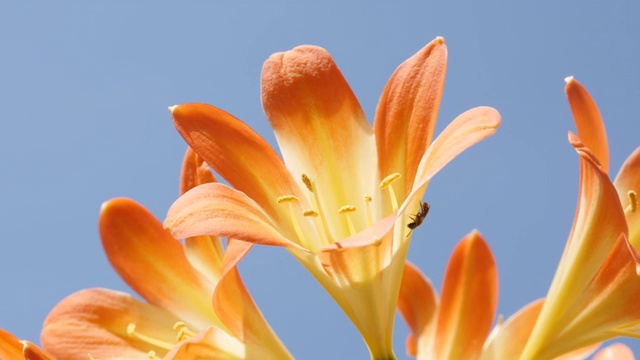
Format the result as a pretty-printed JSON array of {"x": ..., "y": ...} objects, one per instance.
[{"x": 350, "y": 229}]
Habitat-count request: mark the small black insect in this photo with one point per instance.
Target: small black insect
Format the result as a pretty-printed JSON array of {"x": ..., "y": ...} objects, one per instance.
[{"x": 418, "y": 218}]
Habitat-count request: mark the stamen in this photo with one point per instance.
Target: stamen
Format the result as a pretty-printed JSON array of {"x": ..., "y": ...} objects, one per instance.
[
  {"x": 310, "y": 212},
  {"x": 131, "y": 331},
  {"x": 315, "y": 202},
  {"x": 633, "y": 202},
  {"x": 151, "y": 355},
  {"x": 183, "y": 331},
  {"x": 290, "y": 199},
  {"x": 626, "y": 333},
  {"x": 385, "y": 185},
  {"x": 346, "y": 209},
  {"x": 307, "y": 182},
  {"x": 367, "y": 204}
]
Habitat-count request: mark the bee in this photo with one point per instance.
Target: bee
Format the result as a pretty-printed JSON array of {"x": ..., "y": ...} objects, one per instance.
[{"x": 418, "y": 218}]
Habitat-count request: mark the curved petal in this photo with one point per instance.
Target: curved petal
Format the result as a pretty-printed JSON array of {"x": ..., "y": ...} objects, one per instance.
[
  {"x": 203, "y": 252},
  {"x": 33, "y": 352},
  {"x": 467, "y": 129},
  {"x": 10, "y": 346},
  {"x": 95, "y": 322},
  {"x": 417, "y": 303},
  {"x": 615, "y": 351},
  {"x": 588, "y": 120},
  {"x": 240, "y": 314},
  {"x": 598, "y": 223},
  {"x": 468, "y": 302},
  {"x": 365, "y": 273},
  {"x": 507, "y": 340},
  {"x": 216, "y": 209},
  {"x": 195, "y": 171},
  {"x": 628, "y": 179},
  {"x": 319, "y": 124},
  {"x": 153, "y": 263},
  {"x": 407, "y": 111},
  {"x": 253, "y": 168}
]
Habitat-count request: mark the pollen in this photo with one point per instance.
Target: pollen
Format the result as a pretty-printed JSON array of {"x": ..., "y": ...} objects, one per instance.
[
  {"x": 183, "y": 331},
  {"x": 310, "y": 212},
  {"x": 307, "y": 182},
  {"x": 287, "y": 198},
  {"x": 388, "y": 180},
  {"x": 633, "y": 201},
  {"x": 346, "y": 209},
  {"x": 151, "y": 355}
]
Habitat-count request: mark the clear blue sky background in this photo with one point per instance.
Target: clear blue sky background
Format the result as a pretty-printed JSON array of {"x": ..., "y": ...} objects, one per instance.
[{"x": 84, "y": 89}]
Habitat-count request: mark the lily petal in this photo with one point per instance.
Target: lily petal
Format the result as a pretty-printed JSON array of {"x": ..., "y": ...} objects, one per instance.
[
  {"x": 319, "y": 124},
  {"x": 588, "y": 120},
  {"x": 10, "y": 346},
  {"x": 407, "y": 111},
  {"x": 628, "y": 179},
  {"x": 615, "y": 351},
  {"x": 468, "y": 302},
  {"x": 253, "y": 168},
  {"x": 467, "y": 129},
  {"x": 153, "y": 263},
  {"x": 95, "y": 321},
  {"x": 32, "y": 352},
  {"x": 418, "y": 304},
  {"x": 203, "y": 252},
  {"x": 216, "y": 209}
]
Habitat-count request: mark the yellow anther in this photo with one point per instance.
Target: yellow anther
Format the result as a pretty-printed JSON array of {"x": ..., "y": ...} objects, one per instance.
[
  {"x": 346, "y": 209},
  {"x": 367, "y": 204},
  {"x": 310, "y": 212},
  {"x": 287, "y": 198},
  {"x": 179, "y": 325},
  {"x": 392, "y": 195},
  {"x": 151, "y": 355},
  {"x": 388, "y": 180},
  {"x": 183, "y": 331},
  {"x": 633, "y": 201},
  {"x": 307, "y": 182},
  {"x": 131, "y": 331}
]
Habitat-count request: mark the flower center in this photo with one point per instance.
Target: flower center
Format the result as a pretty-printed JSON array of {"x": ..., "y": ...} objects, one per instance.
[
  {"x": 318, "y": 216},
  {"x": 182, "y": 333}
]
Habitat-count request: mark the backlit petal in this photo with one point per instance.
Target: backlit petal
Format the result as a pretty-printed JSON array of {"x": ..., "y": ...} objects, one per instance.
[
  {"x": 32, "y": 352},
  {"x": 216, "y": 209},
  {"x": 210, "y": 344},
  {"x": 468, "y": 302},
  {"x": 235, "y": 152},
  {"x": 203, "y": 252},
  {"x": 407, "y": 111},
  {"x": 319, "y": 124},
  {"x": 153, "y": 263},
  {"x": 418, "y": 303},
  {"x": 629, "y": 179},
  {"x": 10, "y": 346},
  {"x": 615, "y": 351},
  {"x": 467, "y": 129},
  {"x": 588, "y": 120},
  {"x": 95, "y": 322}
]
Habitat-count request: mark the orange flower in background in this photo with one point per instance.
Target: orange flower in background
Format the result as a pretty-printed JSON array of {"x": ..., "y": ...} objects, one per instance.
[
  {"x": 178, "y": 281},
  {"x": 456, "y": 325},
  {"x": 11, "y": 348},
  {"x": 341, "y": 200}
]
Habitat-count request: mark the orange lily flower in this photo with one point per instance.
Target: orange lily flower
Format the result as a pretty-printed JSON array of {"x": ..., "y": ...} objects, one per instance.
[
  {"x": 13, "y": 349},
  {"x": 178, "y": 320},
  {"x": 456, "y": 325},
  {"x": 341, "y": 200}
]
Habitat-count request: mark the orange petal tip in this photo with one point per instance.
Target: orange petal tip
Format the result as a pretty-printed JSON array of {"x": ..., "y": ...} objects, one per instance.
[
  {"x": 439, "y": 39},
  {"x": 569, "y": 79},
  {"x": 172, "y": 108}
]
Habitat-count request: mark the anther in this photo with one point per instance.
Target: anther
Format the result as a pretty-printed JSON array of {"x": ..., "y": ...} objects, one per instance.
[
  {"x": 385, "y": 185},
  {"x": 367, "y": 204},
  {"x": 307, "y": 182},
  {"x": 183, "y": 331},
  {"x": 287, "y": 198},
  {"x": 633, "y": 201},
  {"x": 151, "y": 355},
  {"x": 310, "y": 212},
  {"x": 346, "y": 209}
]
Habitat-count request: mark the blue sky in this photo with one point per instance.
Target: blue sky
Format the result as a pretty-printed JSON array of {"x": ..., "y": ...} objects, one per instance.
[{"x": 85, "y": 89}]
